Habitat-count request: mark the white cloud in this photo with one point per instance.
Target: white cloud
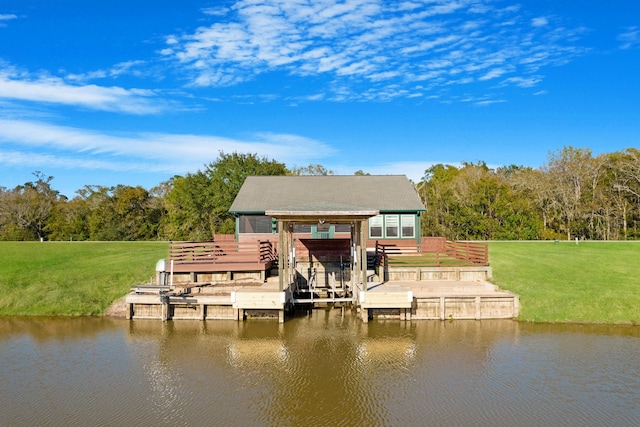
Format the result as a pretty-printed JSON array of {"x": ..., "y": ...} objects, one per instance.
[
  {"x": 4, "y": 18},
  {"x": 493, "y": 74},
  {"x": 215, "y": 11},
  {"x": 540, "y": 22},
  {"x": 131, "y": 68},
  {"x": 370, "y": 42},
  {"x": 54, "y": 90},
  {"x": 630, "y": 38},
  {"x": 173, "y": 153},
  {"x": 522, "y": 82}
]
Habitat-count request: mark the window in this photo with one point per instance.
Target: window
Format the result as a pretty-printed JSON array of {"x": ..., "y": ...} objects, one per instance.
[
  {"x": 375, "y": 227},
  {"x": 302, "y": 228},
  {"x": 408, "y": 223},
  {"x": 391, "y": 226},
  {"x": 343, "y": 228},
  {"x": 254, "y": 224}
]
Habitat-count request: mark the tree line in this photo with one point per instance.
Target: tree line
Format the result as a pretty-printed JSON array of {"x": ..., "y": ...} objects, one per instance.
[{"x": 574, "y": 195}]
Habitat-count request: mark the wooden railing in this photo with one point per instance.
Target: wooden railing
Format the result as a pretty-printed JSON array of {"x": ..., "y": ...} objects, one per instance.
[
  {"x": 475, "y": 253},
  {"x": 431, "y": 252},
  {"x": 222, "y": 255}
]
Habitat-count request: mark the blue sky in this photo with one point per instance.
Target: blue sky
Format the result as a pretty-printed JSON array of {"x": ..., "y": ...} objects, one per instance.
[{"x": 134, "y": 92}]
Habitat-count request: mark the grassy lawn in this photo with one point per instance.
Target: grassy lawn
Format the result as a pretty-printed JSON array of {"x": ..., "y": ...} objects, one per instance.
[
  {"x": 592, "y": 282},
  {"x": 72, "y": 278}
]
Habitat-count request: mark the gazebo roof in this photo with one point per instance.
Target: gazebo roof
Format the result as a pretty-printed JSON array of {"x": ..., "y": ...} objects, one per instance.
[{"x": 341, "y": 195}]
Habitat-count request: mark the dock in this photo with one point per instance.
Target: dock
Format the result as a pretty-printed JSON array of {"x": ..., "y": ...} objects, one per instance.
[
  {"x": 226, "y": 279},
  {"x": 438, "y": 300},
  {"x": 403, "y": 299}
]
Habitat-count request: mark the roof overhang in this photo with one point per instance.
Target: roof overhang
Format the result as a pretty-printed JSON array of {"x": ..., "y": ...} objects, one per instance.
[{"x": 324, "y": 216}]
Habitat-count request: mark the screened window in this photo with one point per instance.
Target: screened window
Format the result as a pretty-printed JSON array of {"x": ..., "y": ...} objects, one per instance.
[
  {"x": 254, "y": 224},
  {"x": 408, "y": 223},
  {"x": 392, "y": 226},
  {"x": 375, "y": 227},
  {"x": 343, "y": 228},
  {"x": 302, "y": 228}
]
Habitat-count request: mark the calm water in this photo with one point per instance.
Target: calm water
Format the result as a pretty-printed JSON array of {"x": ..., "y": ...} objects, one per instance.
[{"x": 325, "y": 369}]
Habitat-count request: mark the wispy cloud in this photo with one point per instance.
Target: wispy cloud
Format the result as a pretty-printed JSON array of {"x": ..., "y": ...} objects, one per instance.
[
  {"x": 20, "y": 86},
  {"x": 630, "y": 38},
  {"x": 129, "y": 68},
  {"x": 540, "y": 22},
  {"x": 361, "y": 47},
  {"x": 161, "y": 152},
  {"x": 5, "y": 17}
]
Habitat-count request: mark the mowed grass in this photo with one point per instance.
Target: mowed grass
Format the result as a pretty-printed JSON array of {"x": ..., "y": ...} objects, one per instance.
[
  {"x": 591, "y": 282},
  {"x": 72, "y": 278}
]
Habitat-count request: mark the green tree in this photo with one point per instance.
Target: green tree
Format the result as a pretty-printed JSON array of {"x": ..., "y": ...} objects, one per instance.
[
  {"x": 197, "y": 205},
  {"x": 69, "y": 220},
  {"x": 122, "y": 213},
  {"x": 476, "y": 202},
  {"x": 26, "y": 209},
  {"x": 436, "y": 192},
  {"x": 188, "y": 205},
  {"x": 570, "y": 172},
  {"x": 311, "y": 170},
  {"x": 226, "y": 176}
]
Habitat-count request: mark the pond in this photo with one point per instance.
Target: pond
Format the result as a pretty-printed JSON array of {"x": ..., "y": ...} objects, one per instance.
[{"x": 327, "y": 368}]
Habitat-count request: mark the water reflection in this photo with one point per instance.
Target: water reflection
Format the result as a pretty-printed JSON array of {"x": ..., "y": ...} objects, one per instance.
[{"x": 325, "y": 369}]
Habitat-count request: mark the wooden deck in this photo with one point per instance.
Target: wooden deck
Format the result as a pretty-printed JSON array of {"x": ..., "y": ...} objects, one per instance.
[
  {"x": 454, "y": 288},
  {"x": 406, "y": 300},
  {"x": 230, "y": 301},
  {"x": 438, "y": 300}
]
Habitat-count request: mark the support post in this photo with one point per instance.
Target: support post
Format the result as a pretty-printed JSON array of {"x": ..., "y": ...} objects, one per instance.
[
  {"x": 363, "y": 253},
  {"x": 282, "y": 250},
  {"x": 165, "y": 307}
]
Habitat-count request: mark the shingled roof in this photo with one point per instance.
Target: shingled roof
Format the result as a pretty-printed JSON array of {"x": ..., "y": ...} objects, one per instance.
[{"x": 335, "y": 193}]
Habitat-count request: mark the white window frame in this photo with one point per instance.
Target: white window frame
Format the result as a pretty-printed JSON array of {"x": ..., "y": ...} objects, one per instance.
[
  {"x": 377, "y": 222},
  {"x": 407, "y": 221},
  {"x": 390, "y": 222},
  {"x": 402, "y": 222}
]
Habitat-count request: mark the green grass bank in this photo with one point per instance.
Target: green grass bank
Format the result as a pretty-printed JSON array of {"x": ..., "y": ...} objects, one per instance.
[
  {"x": 588, "y": 282},
  {"x": 592, "y": 282},
  {"x": 72, "y": 278}
]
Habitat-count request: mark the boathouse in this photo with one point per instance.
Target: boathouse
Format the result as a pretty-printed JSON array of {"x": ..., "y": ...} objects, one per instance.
[
  {"x": 323, "y": 223},
  {"x": 306, "y": 241}
]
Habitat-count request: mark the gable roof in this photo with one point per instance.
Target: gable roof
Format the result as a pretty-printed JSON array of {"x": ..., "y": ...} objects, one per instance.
[{"x": 334, "y": 193}]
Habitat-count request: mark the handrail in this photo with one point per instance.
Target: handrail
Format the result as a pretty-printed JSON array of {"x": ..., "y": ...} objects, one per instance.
[
  {"x": 221, "y": 252},
  {"x": 434, "y": 251}
]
